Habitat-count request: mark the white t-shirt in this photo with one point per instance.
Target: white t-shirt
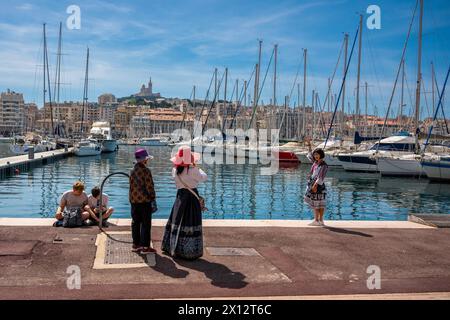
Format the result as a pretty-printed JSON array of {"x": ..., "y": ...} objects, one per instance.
[
  {"x": 94, "y": 203},
  {"x": 70, "y": 200},
  {"x": 191, "y": 177}
]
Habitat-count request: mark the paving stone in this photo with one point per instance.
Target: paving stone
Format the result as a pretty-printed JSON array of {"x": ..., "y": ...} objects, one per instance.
[
  {"x": 222, "y": 251},
  {"x": 16, "y": 248}
]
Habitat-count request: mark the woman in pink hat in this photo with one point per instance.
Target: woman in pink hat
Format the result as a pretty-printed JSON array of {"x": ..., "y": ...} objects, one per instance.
[{"x": 183, "y": 237}]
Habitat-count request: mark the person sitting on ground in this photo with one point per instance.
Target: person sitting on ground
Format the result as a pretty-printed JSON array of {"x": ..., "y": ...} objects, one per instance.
[
  {"x": 74, "y": 199},
  {"x": 93, "y": 207}
]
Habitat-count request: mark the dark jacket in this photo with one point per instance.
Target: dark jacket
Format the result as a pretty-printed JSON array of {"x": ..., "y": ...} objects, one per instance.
[{"x": 142, "y": 189}]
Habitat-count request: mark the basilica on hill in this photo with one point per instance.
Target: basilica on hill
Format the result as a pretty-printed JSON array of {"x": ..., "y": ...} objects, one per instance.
[{"x": 147, "y": 92}]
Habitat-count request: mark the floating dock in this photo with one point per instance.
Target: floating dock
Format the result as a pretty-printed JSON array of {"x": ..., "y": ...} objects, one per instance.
[{"x": 14, "y": 165}]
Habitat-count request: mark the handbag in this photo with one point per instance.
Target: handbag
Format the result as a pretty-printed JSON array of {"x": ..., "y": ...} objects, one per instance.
[
  {"x": 72, "y": 218},
  {"x": 200, "y": 199},
  {"x": 320, "y": 187}
]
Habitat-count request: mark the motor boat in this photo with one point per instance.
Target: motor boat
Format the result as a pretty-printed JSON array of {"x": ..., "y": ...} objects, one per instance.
[
  {"x": 366, "y": 161},
  {"x": 155, "y": 140},
  {"x": 87, "y": 147},
  {"x": 101, "y": 131},
  {"x": 21, "y": 145}
]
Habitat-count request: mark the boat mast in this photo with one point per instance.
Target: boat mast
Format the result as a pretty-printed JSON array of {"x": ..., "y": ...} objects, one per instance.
[
  {"x": 419, "y": 76},
  {"x": 365, "y": 83},
  {"x": 215, "y": 95},
  {"x": 47, "y": 79},
  {"x": 402, "y": 93},
  {"x": 432, "y": 85},
  {"x": 258, "y": 70},
  {"x": 224, "y": 111},
  {"x": 343, "y": 88},
  {"x": 274, "y": 99},
  {"x": 43, "y": 57},
  {"x": 85, "y": 90},
  {"x": 298, "y": 112},
  {"x": 359, "y": 71},
  {"x": 58, "y": 77},
  {"x": 304, "y": 93}
]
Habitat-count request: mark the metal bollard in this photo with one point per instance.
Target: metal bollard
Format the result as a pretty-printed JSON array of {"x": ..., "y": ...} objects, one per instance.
[{"x": 31, "y": 153}]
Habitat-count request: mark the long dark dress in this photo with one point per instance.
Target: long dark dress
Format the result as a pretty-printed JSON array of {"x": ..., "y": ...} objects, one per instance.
[{"x": 183, "y": 237}]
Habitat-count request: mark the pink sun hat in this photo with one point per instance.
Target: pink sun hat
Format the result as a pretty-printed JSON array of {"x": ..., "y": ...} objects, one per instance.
[{"x": 185, "y": 157}]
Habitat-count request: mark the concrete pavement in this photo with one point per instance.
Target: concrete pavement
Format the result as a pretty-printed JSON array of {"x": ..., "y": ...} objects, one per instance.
[{"x": 262, "y": 262}]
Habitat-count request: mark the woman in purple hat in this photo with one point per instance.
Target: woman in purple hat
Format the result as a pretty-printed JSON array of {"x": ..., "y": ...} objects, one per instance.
[
  {"x": 142, "y": 199},
  {"x": 183, "y": 236}
]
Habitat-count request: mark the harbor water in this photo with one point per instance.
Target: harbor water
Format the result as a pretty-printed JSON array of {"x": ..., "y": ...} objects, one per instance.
[{"x": 232, "y": 191}]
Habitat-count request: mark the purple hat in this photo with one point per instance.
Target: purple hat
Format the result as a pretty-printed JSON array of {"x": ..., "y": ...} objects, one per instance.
[{"x": 141, "y": 155}]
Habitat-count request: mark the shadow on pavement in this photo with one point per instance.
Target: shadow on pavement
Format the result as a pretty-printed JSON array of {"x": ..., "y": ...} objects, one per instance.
[
  {"x": 168, "y": 267},
  {"x": 345, "y": 231},
  {"x": 220, "y": 275}
]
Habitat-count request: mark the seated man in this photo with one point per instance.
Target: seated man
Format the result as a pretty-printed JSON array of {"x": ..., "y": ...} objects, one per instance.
[
  {"x": 73, "y": 199},
  {"x": 93, "y": 206}
]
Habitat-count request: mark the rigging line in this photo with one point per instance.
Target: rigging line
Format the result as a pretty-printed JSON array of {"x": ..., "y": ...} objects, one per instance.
[
  {"x": 374, "y": 69},
  {"x": 260, "y": 91},
  {"x": 398, "y": 73},
  {"x": 225, "y": 107},
  {"x": 332, "y": 78},
  {"x": 437, "y": 109},
  {"x": 342, "y": 86},
  {"x": 322, "y": 106},
  {"x": 443, "y": 114},
  {"x": 425, "y": 97},
  {"x": 292, "y": 90},
  {"x": 295, "y": 79},
  {"x": 241, "y": 98},
  {"x": 213, "y": 103},
  {"x": 204, "y": 101},
  {"x": 410, "y": 99},
  {"x": 185, "y": 111},
  {"x": 37, "y": 82}
]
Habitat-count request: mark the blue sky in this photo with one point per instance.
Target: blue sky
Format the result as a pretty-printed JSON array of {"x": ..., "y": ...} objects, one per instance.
[{"x": 179, "y": 43}]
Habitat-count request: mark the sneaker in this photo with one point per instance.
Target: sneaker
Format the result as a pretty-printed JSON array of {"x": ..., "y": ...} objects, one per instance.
[
  {"x": 148, "y": 250},
  {"x": 315, "y": 224},
  {"x": 105, "y": 224},
  {"x": 136, "y": 248},
  {"x": 58, "y": 223},
  {"x": 322, "y": 224}
]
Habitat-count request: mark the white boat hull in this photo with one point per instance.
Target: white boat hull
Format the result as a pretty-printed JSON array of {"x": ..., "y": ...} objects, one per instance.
[
  {"x": 400, "y": 167},
  {"x": 332, "y": 160},
  {"x": 153, "y": 143},
  {"x": 437, "y": 169},
  {"x": 86, "y": 152},
  {"x": 359, "y": 163},
  {"x": 109, "y": 145}
]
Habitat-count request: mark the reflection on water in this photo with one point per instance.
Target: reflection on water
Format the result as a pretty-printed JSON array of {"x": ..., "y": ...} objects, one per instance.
[{"x": 232, "y": 191}]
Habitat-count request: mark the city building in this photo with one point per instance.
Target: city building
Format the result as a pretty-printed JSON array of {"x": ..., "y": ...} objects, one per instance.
[
  {"x": 106, "y": 99},
  {"x": 11, "y": 113},
  {"x": 31, "y": 115},
  {"x": 162, "y": 120}
]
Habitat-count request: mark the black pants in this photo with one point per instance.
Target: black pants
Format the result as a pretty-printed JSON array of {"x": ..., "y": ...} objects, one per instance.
[{"x": 141, "y": 224}]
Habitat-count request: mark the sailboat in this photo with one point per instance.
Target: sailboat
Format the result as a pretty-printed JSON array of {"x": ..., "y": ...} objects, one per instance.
[
  {"x": 86, "y": 147},
  {"x": 410, "y": 164}
]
